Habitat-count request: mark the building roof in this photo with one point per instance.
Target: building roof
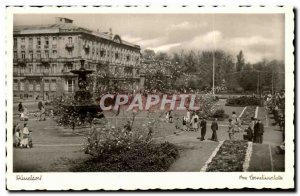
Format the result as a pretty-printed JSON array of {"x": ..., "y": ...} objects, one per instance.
[{"x": 64, "y": 28}]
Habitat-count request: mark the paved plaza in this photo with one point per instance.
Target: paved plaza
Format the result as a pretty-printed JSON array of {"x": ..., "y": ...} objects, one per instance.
[{"x": 54, "y": 144}]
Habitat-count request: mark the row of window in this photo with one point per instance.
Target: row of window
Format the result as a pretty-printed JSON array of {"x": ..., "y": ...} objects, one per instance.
[
  {"x": 49, "y": 85},
  {"x": 46, "y": 54},
  {"x": 37, "y": 55},
  {"x": 119, "y": 54},
  {"x": 37, "y": 41},
  {"x": 38, "y": 68},
  {"x": 114, "y": 55}
]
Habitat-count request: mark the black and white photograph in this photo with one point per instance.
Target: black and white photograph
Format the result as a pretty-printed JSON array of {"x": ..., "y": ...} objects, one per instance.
[{"x": 145, "y": 93}]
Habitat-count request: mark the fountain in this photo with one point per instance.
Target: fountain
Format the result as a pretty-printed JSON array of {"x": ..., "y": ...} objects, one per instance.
[{"x": 83, "y": 107}]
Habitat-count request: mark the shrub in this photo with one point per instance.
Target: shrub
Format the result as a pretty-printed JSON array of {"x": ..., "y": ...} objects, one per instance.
[
  {"x": 243, "y": 101},
  {"x": 219, "y": 114},
  {"x": 141, "y": 157},
  {"x": 67, "y": 116},
  {"x": 118, "y": 150},
  {"x": 238, "y": 89}
]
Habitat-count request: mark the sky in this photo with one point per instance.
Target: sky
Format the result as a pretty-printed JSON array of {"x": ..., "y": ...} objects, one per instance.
[{"x": 259, "y": 36}]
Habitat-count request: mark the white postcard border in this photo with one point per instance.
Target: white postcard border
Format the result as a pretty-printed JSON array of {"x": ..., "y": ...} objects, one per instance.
[{"x": 155, "y": 180}]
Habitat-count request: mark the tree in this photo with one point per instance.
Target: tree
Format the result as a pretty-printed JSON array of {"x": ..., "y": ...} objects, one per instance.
[
  {"x": 148, "y": 54},
  {"x": 240, "y": 61},
  {"x": 161, "y": 56}
]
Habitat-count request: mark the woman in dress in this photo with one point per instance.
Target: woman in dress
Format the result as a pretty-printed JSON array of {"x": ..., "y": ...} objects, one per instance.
[
  {"x": 231, "y": 129},
  {"x": 195, "y": 121},
  {"x": 188, "y": 116},
  {"x": 25, "y": 137}
]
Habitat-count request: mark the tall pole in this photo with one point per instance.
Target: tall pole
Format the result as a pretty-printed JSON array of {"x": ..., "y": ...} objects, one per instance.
[
  {"x": 213, "y": 87},
  {"x": 272, "y": 79},
  {"x": 257, "y": 91}
]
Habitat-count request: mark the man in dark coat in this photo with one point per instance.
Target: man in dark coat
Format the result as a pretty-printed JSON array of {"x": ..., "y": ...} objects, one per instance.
[
  {"x": 260, "y": 132},
  {"x": 20, "y": 107},
  {"x": 203, "y": 129},
  {"x": 255, "y": 131},
  {"x": 214, "y": 128}
]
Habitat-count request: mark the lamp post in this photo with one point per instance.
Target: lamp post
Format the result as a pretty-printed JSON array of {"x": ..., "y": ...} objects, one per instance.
[
  {"x": 213, "y": 87},
  {"x": 214, "y": 37}
]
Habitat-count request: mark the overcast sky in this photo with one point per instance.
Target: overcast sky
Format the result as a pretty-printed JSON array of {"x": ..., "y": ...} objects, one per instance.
[{"x": 257, "y": 35}]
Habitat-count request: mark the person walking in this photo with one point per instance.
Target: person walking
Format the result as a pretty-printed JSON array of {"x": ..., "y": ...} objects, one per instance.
[
  {"x": 234, "y": 117},
  {"x": 195, "y": 121},
  {"x": 255, "y": 132},
  {"x": 188, "y": 116},
  {"x": 231, "y": 129},
  {"x": 20, "y": 107},
  {"x": 170, "y": 116},
  {"x": 24, "y": 114},
  {"x": 260, "y": 132},
  {"x": 40, "y": 105},
  {"x": 203, "y": 128},
  {"x": 214, "y": 128},
  {"x": 252, "y": 124},
  {"x": 239, "y": 124},
  {"x": 43, "y": 114},
  {"x": 25, "y": 137},
  {"x": 184, "y": 124}
]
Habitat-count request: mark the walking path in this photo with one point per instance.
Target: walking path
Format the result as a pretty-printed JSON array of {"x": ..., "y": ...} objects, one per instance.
[
  {"x": 194, "y": 154},
  {"x": 52, "y": 142}
]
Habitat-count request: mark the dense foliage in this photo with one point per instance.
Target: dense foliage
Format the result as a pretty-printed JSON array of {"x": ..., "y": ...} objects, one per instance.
[
  {"x": 122, "y": 150},
  {"x": 219, "y": 114},
  {"x": 66, "y": 116},
  {"x": 243, "y": 101},
  {"x": 193, "y": 70}
]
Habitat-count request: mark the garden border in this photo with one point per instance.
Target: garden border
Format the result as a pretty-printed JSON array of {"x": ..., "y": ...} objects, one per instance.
[
  {"x": 203, "y": 169},
  {"x": 248, "y": 157}
]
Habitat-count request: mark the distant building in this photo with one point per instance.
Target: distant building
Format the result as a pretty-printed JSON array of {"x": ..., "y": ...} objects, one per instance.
[{"x": 43, "y": 56}]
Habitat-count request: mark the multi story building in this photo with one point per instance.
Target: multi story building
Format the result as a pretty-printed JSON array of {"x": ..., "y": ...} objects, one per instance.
[{"x": 43, "y": 56}]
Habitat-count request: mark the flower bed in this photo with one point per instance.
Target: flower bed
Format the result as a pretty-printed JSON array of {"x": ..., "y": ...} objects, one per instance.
[
  {"x": 248, "y": 114},
  {"x": 141, "y": 157},
  {"x": 124, "y": 150},
  {"x": 243, "y": 101},
  {"x": 230, "y": 157}
]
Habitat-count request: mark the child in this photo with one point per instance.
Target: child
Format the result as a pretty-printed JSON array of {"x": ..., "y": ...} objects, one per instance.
[{"x": 249, "y": 134}]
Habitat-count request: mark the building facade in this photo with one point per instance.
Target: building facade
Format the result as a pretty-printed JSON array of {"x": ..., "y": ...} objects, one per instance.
[{"x": 44, "y": 55}]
